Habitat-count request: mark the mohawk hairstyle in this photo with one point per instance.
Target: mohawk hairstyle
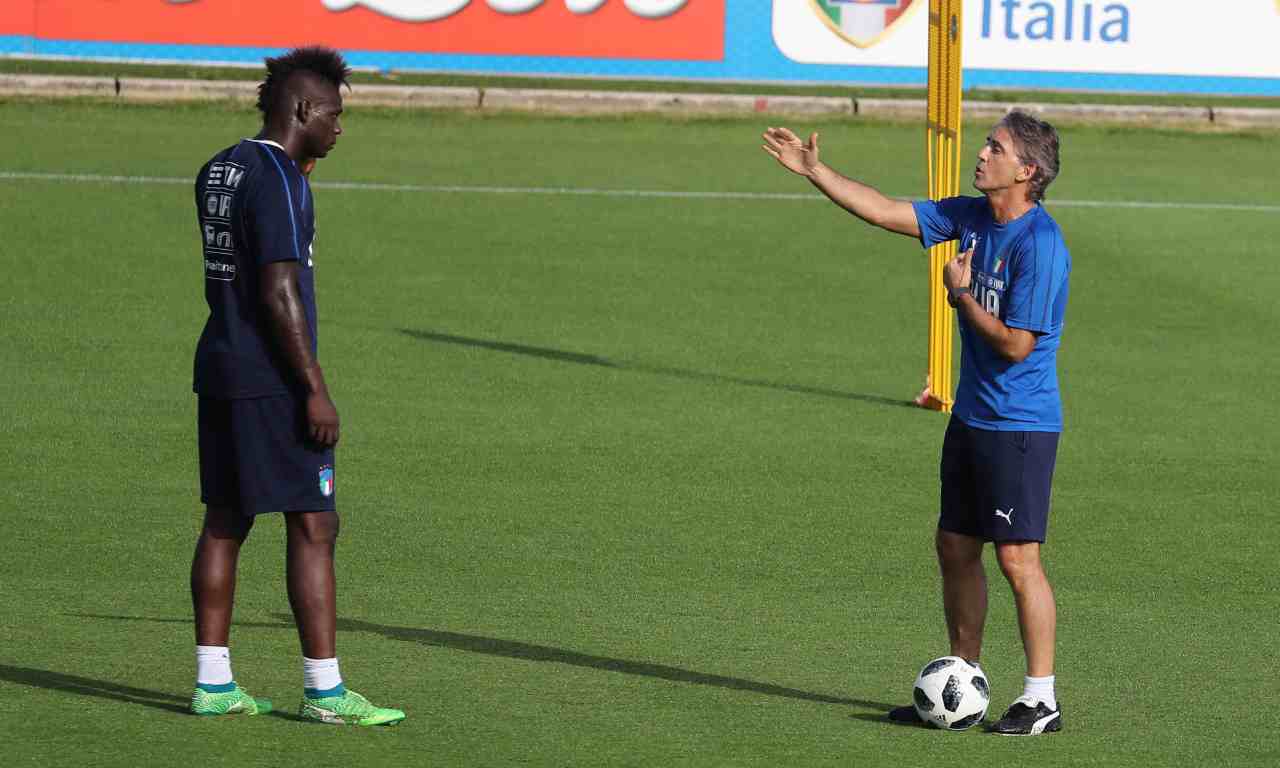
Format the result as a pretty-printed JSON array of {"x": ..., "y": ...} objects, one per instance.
[{"x": 325, "y": 62}]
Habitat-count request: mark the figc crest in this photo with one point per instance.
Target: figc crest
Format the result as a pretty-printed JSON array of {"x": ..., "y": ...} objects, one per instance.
[{"x": 864, "y": 23}]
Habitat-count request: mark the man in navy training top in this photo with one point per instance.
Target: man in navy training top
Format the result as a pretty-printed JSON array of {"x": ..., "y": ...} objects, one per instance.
[
  {"x": 1008, "y": 284},
  {"x": 267, "y": 426}
]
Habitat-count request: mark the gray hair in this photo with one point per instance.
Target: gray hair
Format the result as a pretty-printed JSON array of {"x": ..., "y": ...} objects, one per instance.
[{"x": 1036, "y": 143}]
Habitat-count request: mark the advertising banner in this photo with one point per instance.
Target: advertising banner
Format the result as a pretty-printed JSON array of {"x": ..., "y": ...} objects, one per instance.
[
  {"x": 1139, "y": 37},
  {"x": 627, "y": 29},
  {"x": 1191, "y": 46}
]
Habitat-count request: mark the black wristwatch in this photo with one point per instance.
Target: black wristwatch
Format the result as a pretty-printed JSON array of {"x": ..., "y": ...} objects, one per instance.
[{"x": 953, "y": 297}]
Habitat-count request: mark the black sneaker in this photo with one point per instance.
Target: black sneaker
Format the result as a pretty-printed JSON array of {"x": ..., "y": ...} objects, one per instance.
[
  {"x": 905, "y": 715},
  {"x": 1028, "y": 717}
]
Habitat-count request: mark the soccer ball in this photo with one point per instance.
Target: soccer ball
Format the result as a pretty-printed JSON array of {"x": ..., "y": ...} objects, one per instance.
[{"x": 951, "y": 693}]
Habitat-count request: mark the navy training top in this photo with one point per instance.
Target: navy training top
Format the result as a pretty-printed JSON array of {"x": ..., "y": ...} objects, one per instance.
[{"x": 254, "y": 207}]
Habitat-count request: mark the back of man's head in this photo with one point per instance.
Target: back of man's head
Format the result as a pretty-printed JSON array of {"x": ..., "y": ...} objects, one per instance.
[
  {"x": 1036, "y": 143},
  {"x": 323, "y": 63}
]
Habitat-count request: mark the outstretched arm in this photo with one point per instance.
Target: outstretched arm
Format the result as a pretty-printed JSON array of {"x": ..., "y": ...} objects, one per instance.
[
  {"x": 288, "y": 321},
  {"x": 863, "y": 201}
]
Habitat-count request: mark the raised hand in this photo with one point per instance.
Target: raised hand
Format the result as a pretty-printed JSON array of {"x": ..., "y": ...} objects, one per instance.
[
  {"x": 787, "y": 148},
  {"x": 958, "y": 273}
]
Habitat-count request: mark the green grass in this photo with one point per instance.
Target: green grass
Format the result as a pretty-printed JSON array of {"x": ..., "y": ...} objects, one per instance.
[
  {"x": 188, "y": 71},
  {"x": 716, "y": 550}
]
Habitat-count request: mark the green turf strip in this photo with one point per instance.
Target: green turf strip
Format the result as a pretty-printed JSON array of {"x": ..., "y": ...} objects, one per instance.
[
  {"x": 628, "y": 481},
  {"x": 187, "y": 71}
]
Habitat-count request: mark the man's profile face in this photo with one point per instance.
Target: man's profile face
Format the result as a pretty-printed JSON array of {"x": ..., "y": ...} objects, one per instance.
[
  {"x": 998, "y": 164},
  {"x": 324, "y": 123}
]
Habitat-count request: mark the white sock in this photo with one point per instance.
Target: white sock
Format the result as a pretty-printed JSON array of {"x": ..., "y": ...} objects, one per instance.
[
  {"x": 213, "y": 665},
  {"x": 320, "y": 674},
  {"x": 1040, "y": 688}
]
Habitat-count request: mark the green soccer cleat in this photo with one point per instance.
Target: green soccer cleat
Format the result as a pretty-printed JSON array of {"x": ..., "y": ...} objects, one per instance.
[
  {"x": 236, "y": 701},
  {"x": 348, "y": 709}
]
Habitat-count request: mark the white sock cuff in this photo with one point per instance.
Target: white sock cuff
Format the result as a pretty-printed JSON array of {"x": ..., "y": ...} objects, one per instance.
[
  {"x": 320, "y": 674},
  {"x": 213, "y": 665},
  {"x": 1040, "y": 688}
]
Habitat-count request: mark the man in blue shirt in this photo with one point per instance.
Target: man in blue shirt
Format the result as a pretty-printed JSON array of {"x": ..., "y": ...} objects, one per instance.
[
  {"x": 267, "y": 426},
  {"x": 1008, "y": 284}
]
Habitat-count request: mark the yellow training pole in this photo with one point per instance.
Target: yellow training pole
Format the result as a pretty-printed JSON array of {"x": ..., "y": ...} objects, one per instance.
[{"x": 942, "y": 154}]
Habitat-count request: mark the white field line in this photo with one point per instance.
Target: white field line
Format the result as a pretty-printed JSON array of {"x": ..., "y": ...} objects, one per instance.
[{"x": 93, "y": 178}]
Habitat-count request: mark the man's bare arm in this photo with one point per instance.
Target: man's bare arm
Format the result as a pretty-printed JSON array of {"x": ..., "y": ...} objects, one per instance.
[
  {"x": 864, "y": 201},
  {"x": 1013, "y": 344},
  {"x": 288, "y": 321}
]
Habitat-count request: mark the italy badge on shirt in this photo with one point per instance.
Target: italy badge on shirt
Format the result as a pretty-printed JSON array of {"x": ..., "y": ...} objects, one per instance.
[{"x": 326, "y": 480}]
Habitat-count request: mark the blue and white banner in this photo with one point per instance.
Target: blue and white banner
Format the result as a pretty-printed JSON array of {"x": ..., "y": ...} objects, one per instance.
[
  {"x": 1132, "y": 39},
  {"x": 1177, "y": 46}
]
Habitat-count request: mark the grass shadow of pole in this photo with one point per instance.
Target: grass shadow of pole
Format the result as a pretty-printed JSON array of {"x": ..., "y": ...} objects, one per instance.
[
  {"x": 540, "y": 653},
  {"x": 513, "y": 649},
  {"x": 548, "y": 353}
]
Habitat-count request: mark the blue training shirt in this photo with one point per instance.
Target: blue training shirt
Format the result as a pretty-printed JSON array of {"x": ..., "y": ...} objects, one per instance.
[
  {"x": 1020, "y": 275},
  {"x": 254, "y": 208}
]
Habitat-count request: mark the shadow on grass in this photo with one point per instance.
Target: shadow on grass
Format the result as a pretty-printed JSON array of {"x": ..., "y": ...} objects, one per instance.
[
  {"x": 528, "y": 652},
  {"x": 101, "y": 689},
  {"x": 104, "y": 689},
  {"x": 578, "y": 358},
  {"x": 880, "y": 718},
  {"x": 540, "y": 653}
]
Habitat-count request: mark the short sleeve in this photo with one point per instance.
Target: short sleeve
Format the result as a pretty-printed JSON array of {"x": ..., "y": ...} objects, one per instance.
[
  {"x": 1038, "y": 271},
  {"x": 271, "y": 208},
  {"x": 940, "y": 220}
]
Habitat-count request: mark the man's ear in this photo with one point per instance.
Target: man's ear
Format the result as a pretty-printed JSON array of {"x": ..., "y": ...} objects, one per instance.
[
  {"x": 1025, "y": 173},
  {"x": 302, "y": 111}
]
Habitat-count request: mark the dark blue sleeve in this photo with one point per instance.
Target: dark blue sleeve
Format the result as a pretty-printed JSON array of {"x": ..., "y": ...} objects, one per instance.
[
  {"x": 1038, "y": 270},
  {"x": 940, "y": 220},
  {"x": 276, "y": 229}
]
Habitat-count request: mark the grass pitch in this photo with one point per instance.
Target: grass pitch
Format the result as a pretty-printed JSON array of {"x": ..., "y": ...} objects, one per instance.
[{"x": 629, "y": 480}]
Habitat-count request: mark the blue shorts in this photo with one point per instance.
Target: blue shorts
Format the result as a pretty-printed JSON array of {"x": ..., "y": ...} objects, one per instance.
[
  {"x": 256, "y": 456},
  {"x": 995, "y": 485}
]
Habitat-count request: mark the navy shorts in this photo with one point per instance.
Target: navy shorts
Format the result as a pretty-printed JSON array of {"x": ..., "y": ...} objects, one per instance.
[
  {"x": 256, "y": 456},
  {"x": 995, "y": 485}
]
